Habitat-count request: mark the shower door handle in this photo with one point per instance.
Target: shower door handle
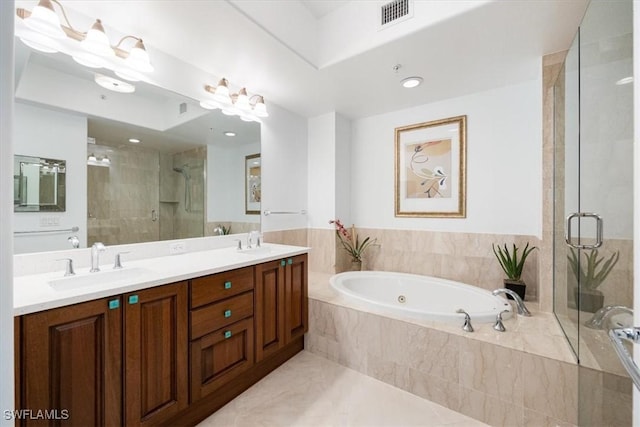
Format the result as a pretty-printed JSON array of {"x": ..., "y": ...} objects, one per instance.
[
  {"x": 154, "y": 215},
  {"x": 567, "y": 235},
  {"x": 632, "y": 334}
]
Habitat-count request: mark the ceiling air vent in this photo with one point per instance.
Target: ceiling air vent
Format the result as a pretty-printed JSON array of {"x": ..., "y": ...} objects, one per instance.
[{"x": 393, "y": 11}]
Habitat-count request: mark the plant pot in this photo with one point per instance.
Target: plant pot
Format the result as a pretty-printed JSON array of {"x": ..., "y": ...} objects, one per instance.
[
  {"x": 517, "y": 286},
  {"x": 589, "y": 300},
  {"x": 356, "y": 265}
]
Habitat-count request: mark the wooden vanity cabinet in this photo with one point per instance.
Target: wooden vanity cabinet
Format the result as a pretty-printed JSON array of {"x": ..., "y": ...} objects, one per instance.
[
  {"x": 72, "y": 364},
  {"x": 169, "y": 355},
  {"x": 85, "y": 360},
  {"x": 222, "y": 340},
  {"x": 281, "y": 304}
]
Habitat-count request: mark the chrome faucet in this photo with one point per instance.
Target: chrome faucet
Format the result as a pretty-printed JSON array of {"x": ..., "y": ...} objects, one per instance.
[
  {"x": 467, "y": 321},
  {"x": 75, "y": 242},
  {"x": 69, "y": 267},
  {"x": 522, "y": 309},
  {"x": 95, "y": 256},
  {"x": 599, "y": 318}
]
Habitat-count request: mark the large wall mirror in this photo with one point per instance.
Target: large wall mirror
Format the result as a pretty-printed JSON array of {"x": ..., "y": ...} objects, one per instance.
[{"x": 144, "y": 166}]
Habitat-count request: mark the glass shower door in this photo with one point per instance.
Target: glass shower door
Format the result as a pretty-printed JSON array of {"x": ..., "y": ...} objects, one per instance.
[{"x": 593, "y": 247}]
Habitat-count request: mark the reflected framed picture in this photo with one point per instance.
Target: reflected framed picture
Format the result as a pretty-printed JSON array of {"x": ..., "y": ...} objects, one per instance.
[
  {"x": 430, "y": 169},
  {"x": 252, "y": 184}
]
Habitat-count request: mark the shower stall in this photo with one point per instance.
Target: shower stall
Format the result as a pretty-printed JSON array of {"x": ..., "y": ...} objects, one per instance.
[{"x": 593, "y": 207}]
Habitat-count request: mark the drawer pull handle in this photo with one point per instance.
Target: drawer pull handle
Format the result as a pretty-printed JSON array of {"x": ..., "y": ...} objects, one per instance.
[
  {"x": 290, "y": 261},
  {"x": 133, "y": 299},
  {"x": 283, "y": 263},
  {"x": 227, "y": 313},
  {"x": 227, "y": 285},
  {"x": 113, "y": 304},
  {"x": 227, "y": 334}
]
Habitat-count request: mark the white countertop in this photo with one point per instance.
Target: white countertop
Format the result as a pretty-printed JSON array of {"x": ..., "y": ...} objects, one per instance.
[{"x": 33, "y": 293}]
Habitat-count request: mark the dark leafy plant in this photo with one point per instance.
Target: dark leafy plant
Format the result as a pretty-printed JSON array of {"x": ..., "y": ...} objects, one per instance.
[
  {"x": 591, "y": 274},
  {"x": 509, "y": 261}
]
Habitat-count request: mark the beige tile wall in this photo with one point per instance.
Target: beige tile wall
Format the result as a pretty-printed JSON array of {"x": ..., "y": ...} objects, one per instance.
[{"x": 494, "y": 384}]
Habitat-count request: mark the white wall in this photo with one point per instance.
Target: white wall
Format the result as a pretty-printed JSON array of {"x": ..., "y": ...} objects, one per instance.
[
  {"x": 42, "y": 132},
  {"x": 343, "y": 168},
  {"x": 321, "y": 170},
  {"x": 504, "y": 163},
  {"x": 284, "y": 168},
  {"x": 6, "y": 211},
  {"x": 225, "y": 182}
]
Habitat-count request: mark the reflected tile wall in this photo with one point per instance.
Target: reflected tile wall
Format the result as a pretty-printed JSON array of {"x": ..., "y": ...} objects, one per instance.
[
  {"x": 494, "y": 384},
  {"x": 190, "y": 222},
  {"x": 236, "y": 227},
  {"x": 287, "y": 237}
]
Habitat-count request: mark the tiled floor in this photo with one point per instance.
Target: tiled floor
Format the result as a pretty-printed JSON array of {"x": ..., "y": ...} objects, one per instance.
[{"x": 309, "y": 390}]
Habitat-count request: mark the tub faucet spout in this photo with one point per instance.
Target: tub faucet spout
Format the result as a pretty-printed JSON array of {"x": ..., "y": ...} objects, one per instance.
[
  {"x": 467, "y": 321},
  {"x": 599, "y": 318},
  {"x": 522, "y": 309}
]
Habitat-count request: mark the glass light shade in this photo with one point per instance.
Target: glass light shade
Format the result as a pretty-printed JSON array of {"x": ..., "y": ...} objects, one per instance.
[
  {"x": 44, "y": 20},
  {"x": 106, "y": 160},
  {"x": 209, "y": 104},
  {"x": 260, "y": 109},
  {"x": 92, "y": 158},
  {"x": 97, "y": 42},
  {"x": 40, "y": 42},
  {"x": 89, "y": 59},
  {"x": 230, "y": 111},
  {"x": 242, "y": 101},
  {"x": 128, "y": 74},
  {"x": 138, "y": 59},
  {"x": 222, "y": 93}
]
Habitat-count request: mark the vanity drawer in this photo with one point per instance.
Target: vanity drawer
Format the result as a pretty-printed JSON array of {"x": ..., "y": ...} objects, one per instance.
[
  {"x": 208, "y": 289},
  {"x": 220, "y": 314}
]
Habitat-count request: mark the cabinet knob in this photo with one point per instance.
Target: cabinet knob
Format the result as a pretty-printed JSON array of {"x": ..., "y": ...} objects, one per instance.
[
  {"x": 227, "y": 285},
  {"x": 227, "y": 334},
  {"x": 133, "y": 299},
  {"x": 283, "y": 263},
  {"x": 290, "y": 261},
  {"x": 113, "y": 304},
  {"x": 227, "y": 313}
]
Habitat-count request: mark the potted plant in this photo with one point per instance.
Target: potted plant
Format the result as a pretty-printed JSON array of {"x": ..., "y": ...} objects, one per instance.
[
  {"x": 589, "y": 277},
  {"x": 351, "y": 243},
  {"x": 512, "y": 266}
]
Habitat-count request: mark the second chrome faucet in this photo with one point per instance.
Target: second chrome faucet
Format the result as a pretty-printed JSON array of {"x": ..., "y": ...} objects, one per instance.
[{"x": 95, "y": 256}]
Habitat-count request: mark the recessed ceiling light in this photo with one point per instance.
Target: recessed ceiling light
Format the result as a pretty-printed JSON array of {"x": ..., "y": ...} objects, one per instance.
[
  {"x": 114, "y": 84},
  {"x": 228, "y": 133},
  {"x": 134, "y": 140},
  {"x": 625, "y": 81},
  {"x": 410, "y": 82}
]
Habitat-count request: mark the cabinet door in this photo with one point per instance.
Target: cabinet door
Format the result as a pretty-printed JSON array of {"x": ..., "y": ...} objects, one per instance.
[
  {"x": 220, "y": 356},
  {"x": 269, "y": 308},
  {"x": 156, "y": 354},
  {"x": 296, "y": 298},
  {"x": 71, "y": 364}
]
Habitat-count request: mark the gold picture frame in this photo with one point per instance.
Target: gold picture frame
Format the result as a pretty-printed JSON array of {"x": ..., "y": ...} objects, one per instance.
[
  {"x": 252, "y": 184},
  {"x": 430, "y": 169}
]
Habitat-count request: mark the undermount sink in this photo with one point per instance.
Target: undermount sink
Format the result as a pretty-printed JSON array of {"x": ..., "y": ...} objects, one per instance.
[
  {"x": 262, "y": 250},
  {"x": 99, "y": 278}
]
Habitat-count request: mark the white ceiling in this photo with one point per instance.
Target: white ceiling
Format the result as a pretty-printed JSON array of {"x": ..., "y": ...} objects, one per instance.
[
  {"x": 486, "y": 45},
  {"x": 320, "y": 8}
]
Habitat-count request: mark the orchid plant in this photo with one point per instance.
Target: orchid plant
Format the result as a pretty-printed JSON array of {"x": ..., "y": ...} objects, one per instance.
[{"x": 351, "y": 241}]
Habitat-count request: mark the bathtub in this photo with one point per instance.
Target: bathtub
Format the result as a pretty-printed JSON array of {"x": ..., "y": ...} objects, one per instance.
[{"x": 423, "y": 297}]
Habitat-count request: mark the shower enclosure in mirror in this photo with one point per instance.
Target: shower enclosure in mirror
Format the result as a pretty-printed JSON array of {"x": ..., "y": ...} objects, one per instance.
[
  {"x": 38, "y": 184},
  {"x": 144, "y": 166},
  {"x": 593, "y": 207}
]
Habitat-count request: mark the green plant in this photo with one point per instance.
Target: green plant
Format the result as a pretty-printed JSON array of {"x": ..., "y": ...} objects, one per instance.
[
  {"x": 591, "y": 275},
  {"x": 350, "y": 240},
  {"x": 509, "y": 261}
]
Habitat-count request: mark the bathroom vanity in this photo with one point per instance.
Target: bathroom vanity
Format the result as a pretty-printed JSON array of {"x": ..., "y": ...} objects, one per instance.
[{"x": 169, "y": 349}]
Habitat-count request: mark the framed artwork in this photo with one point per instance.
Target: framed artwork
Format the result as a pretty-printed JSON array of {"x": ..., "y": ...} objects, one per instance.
[
  {"x": 430, "y": 169},
  {"x": 252, "y": 184}
]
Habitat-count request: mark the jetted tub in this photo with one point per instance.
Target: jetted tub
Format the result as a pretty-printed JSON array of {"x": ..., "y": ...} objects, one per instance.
[{"x": 423, "y": 297}]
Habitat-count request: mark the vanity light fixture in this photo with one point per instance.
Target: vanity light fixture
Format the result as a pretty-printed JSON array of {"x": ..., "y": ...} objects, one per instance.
[
  {"x": 114, "y": 84},
  {"x": 229, "y": 133},
  {"x": 411, "y": 82},
  {"x": 249, "y": 108},
  {"x": 41, "y": 29}
]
